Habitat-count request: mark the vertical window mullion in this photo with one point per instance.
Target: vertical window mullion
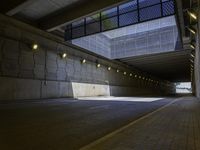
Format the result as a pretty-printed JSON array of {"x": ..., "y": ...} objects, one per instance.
[
  {"x": 118, "y": 16},
  {"x": 138, "y": 11},
  {"x": 161, "y": 4}
]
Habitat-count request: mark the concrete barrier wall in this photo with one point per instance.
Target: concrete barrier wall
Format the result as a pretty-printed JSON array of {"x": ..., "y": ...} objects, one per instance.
[
  {"x": 28, "y": 74},
  {"x": 85, "y": 90}
]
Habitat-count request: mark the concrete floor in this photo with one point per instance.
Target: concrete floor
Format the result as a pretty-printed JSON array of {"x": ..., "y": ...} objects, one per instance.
[
  {"x": 67, "y": 124},
  {"x": 174, "y": 127}
]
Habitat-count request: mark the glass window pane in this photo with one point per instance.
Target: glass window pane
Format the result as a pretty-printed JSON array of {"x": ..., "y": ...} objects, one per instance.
[
  {"x": 145, "y": 3},
  {"x": 78, "y": 32},
  {"x": 68, "y": 35},
  {"x": 152, "y": 12},
  {"x": 92, "y": 28},
  {"x": 109, "y": 13},
  {"x": 78, "y": 23},
  {"x": 110, "y": 23},
  {"x": 128, "y": 18},
  {"x": 93, "y": 18},
  {"x": 168, "y": 8},
  {"x": 130, "y": 6}
]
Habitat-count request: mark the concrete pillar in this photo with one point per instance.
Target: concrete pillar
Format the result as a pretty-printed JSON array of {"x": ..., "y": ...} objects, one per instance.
[{"x": 197, "y": 57}]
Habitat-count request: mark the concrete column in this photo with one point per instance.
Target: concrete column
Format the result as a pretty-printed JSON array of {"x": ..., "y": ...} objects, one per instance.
[{"x": 197, "y": 57}]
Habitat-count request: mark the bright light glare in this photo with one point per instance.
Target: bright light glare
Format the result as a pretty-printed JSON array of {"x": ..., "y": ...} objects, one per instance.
[
  {"x": 130, "y": 99},
  {"x": 194, "y": 16},
  {"x": 34, "y": 46}
]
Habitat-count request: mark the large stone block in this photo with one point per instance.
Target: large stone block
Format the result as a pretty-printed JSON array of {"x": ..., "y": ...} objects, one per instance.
[
  {"x": 39, "y": 71},
  {"x": 39, "y": 57},
  {"x": 26, "y": 73},
  {"x": 15, "y": 88},
  {"x": 61, "y": 74},
  {"x": 50, "y": 89},
  {"x": 11, "y": 50},
  {"x": 10, "y": 68},
  {"x": 65, "y": 89},
  {"x": 27, "y": 89},
  {"x": 7, "y": 88}
]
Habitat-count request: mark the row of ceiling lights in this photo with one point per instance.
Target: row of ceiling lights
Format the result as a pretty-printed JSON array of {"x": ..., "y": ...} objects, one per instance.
[
  {"x": 98, "y": 65},
  {"x": 193, "y": 16}
]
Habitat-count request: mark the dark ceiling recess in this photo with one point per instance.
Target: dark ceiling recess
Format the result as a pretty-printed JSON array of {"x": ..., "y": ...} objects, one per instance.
[
  {"x": 7, "y": 5},
  {"x": 172, "y": 66}
]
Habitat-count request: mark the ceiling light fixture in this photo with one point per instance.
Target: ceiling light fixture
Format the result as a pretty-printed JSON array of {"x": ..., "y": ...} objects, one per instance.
[
  {"x": 192, "y": 55},
  {"x": 193, "y": 15},
  {"x": 192, "y": 46},
  {"x": 193, "y": 31},
  {"x": 109, "y": 68}
]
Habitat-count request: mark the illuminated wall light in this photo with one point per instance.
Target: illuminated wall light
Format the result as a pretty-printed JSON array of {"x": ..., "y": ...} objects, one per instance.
[
  {"x": 63, "y": 55},
  {"x": 131, "y": 74},
  {"x": 117, "y": 70},
  {"x": 192, "y": 66},
  {"x": 135, "y": 76},
  {"x": 192, "y": 61},
  {"x": 193, "y": 15},
  {"x": 34, "y": 46},
  {"x": 192, "y": 55},
  {"x": 98, "y": 65},
  {"x": 124, "y": 73},
  {"x": 143, "y": 78},
  {"x": 109, "y": 68},
  {"x": 193, "y": 31},
  {"x": 83, "y": 61},
  {"x": 140, "y": 77}
]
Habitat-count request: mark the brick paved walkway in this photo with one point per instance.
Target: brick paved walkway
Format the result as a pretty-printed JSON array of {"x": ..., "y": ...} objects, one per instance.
[{"x": 175, "y": 127}]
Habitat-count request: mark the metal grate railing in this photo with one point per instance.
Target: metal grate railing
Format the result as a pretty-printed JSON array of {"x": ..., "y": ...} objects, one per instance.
[{"x": 132, "y": 12}]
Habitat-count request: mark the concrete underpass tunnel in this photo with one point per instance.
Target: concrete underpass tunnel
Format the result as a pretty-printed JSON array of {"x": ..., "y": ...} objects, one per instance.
[{"x": 128, "y": 48}]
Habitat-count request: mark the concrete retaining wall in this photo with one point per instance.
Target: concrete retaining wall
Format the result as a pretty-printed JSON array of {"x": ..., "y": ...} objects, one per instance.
[{"x": 28, "y": 74}]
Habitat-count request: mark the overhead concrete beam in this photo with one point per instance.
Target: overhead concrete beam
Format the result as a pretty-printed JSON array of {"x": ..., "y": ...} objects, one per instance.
[
  {"x": 8, "y": 5},
  {"x": 79, "y": 10},
  {"x": 20, "y": 7}
]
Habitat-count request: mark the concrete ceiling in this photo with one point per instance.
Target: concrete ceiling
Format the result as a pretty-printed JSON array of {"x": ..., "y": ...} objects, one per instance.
[
  {"x": 41, "y": 8},
  {"x": 172, "y": 66},
  {"x": 52, "y": 15}
]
